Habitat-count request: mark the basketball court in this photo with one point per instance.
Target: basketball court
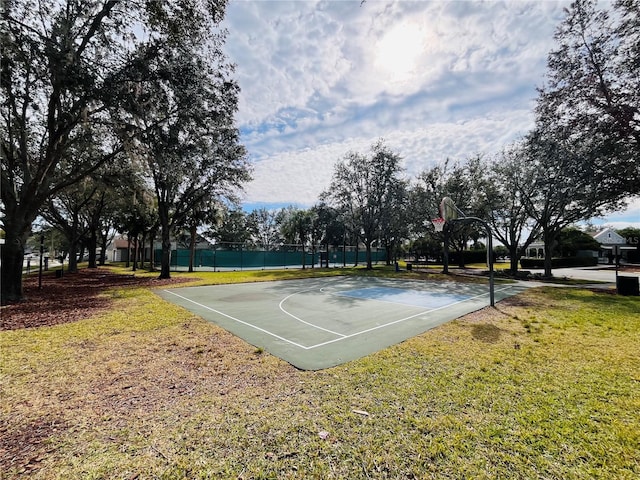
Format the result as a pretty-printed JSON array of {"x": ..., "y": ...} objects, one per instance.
[{"x": 322, "y": 322}]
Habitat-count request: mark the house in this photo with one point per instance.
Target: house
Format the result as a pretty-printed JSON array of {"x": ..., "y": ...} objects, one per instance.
[
  {"x": 612, "y": 244},
  {"x": 120, "y": 249},
  {"x": 609, "y": 237}
]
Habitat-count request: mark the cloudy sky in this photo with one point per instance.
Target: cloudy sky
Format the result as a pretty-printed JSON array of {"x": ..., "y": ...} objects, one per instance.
[{"x": 435, "y": 79}]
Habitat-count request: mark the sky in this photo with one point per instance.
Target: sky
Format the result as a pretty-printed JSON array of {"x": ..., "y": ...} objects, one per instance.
[{"x": 433, "y": 79}]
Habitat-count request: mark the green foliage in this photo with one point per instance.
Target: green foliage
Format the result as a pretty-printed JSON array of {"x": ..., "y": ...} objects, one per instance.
[
  {"x": 591, "y": 97},
  {"x": 631, "y": 235},
  {"x": 368, "y": 191},
  {"x": 469, "y": 256},
  {"x": 572, "y": 240}
]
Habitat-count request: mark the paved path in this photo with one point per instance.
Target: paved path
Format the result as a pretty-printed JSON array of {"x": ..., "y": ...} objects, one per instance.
[{"x": 597, "y": 274}]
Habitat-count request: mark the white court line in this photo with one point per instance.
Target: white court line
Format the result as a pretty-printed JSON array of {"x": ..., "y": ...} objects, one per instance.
[
  {"x": 302, "y": 321},
  {"x": 343, "y": 337},
  {"x": 401, "y": 320},
  {"x": 239, "y": 321}
]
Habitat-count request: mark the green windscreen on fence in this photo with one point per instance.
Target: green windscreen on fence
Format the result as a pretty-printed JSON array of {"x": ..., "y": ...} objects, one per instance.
[{"x": 260, "y": 259}]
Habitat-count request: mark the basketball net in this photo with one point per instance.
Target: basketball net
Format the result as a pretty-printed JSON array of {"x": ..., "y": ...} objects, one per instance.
[{"x": 438, "y": 224}]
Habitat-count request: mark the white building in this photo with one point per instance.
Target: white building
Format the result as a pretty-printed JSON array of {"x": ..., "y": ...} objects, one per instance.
[{"x": 611, "y": 244}]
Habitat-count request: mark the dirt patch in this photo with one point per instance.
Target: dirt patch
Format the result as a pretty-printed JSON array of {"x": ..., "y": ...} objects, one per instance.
[
  {"x": 486, "y": 332},
  {"x": 25, "y": 444},
  {"x": 73, "y": 297}
]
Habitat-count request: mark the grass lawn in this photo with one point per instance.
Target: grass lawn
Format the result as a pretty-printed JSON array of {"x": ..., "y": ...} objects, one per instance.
[{"x": 547, "y": 385}]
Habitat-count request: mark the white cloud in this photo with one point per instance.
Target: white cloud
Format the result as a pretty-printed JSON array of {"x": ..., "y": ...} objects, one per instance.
[
  {"x": 629, "y": 217},
  {"x": 435, "y": 79},
  {"x": 299, "y": 176}
]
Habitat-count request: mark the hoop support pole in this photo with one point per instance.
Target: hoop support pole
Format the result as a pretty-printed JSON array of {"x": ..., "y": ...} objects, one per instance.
[{"x": 489, "y": 253}]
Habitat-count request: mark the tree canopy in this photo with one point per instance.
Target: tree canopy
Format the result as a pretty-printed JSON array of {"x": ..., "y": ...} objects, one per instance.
[
  {"x": 85, "y": 82},
  {"x": 366, "y": 189}
]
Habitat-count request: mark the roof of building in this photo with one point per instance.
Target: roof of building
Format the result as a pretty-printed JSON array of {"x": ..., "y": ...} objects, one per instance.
[{"x": 609, "y": 236}]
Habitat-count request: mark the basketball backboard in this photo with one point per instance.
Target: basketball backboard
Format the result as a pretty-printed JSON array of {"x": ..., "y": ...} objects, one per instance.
[{"x": 448, "y": 209}]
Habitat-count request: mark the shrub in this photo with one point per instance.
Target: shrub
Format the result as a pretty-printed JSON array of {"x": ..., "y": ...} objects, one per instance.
[{"x": 470, "y": 256}]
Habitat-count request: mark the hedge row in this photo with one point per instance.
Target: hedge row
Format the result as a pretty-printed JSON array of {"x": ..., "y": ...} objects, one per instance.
[{"x": 470, "y": 256}]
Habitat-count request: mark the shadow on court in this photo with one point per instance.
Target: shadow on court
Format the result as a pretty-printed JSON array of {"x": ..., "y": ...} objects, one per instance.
[{"x": 318, "y": 323}]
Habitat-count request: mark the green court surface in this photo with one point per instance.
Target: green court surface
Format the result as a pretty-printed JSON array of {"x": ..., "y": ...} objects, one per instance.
[{"x": 318, "y": 323}]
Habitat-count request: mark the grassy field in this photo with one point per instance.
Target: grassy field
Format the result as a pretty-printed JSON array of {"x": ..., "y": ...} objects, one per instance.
[{"x": 545, "y": 386}]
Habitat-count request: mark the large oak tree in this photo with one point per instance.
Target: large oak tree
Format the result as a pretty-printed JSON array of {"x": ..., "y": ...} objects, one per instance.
[
  {"x": 55, "y": 60},
  {"x": 182, "y": 102},
  {"x": 591, "y": 98}
]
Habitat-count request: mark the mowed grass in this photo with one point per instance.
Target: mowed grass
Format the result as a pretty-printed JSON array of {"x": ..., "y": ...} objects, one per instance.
[{"x": 545, "y": 386}]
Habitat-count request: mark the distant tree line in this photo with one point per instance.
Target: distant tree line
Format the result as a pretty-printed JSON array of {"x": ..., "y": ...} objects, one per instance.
[{"x": 119, "y": 116}]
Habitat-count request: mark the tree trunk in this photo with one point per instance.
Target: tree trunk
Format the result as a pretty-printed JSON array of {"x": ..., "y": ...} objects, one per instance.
[
  {"x": 165, "y": 262},
  {"x": 445, "y": 253},
  {"x": 461, "y": 263},
  {"x": 513, "y": 259},
  {"x": 72, "y": 267},
  {"x": 326, "y": 248},
  {"x": 127, "y": 264},
  {"x": 344, "y": 251},
  {"x": 143, "y": 242},
  {"x": 93, "y": 246},
  {"x": 548, "y": 267},
  {"x": 152, "y": 253},
  {"x": 104, "y": 237},
  {"x": 12, "y": 259},
  {"x": 549, "y": 239},
  {"x": 135, "y": 253},
  {"x": 192, "y": 247},
  {"x": 368, "y": 255}
]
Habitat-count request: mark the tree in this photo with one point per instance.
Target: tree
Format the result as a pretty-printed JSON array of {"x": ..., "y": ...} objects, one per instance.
[
  {"x": 463, "y": 183},
  {"x": 571, "y": 240},
  {"x": 207, "y": 212},
  {"x": 591, "y": 99},
  {"x": 395, "y": 220},
  {"x": 55, "y": 59},
  {"x": 295, "y": 227},
  {"x": 64, "y": 212},
  {"x": 327, "y": 226},
  {"x": 363, "y": 187},
  {"x": 234, "y": 227},
  {"x": 508, "y": 183},
  {"x": 427, "y": 246},
  {"x": 562, "y": 186},
  {"x": 587, "y": 138},
  {"x": 182, "y": 100},
  {"x": 266, "y": 227},
  {"x": 632, "y": 237}
]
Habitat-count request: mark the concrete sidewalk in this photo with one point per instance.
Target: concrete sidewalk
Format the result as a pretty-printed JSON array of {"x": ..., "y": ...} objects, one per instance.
[{"x": 602, "y": 273}]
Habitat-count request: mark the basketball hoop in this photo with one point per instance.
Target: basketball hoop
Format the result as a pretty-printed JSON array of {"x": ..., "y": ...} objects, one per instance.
[{"x": 438, "y": 224}]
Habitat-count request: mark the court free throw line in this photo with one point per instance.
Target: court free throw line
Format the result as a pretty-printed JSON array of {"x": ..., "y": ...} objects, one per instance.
[{"x": 303, "y": 321}]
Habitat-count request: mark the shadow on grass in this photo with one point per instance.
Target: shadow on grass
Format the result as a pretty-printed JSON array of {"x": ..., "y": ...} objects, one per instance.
[{"x": 486, "y": 333}]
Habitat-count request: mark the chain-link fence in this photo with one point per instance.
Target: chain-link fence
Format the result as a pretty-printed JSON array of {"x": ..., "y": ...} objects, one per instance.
[{"x": 239, "y": 256}]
